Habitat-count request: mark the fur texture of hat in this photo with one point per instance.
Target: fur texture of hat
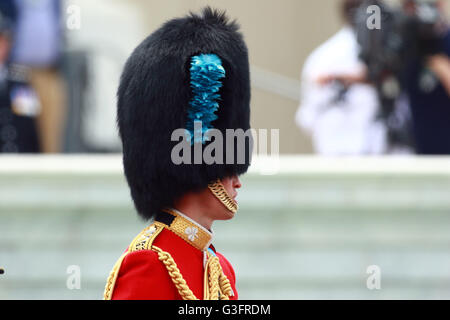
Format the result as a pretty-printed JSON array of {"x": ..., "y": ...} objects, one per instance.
[{"x": 153, "y": 100}]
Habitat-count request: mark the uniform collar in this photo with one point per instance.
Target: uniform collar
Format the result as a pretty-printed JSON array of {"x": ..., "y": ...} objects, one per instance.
[{"x": 186, "y": 228}]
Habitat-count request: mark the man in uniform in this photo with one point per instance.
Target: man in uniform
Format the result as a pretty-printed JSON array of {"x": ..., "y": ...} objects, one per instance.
[{"x": 192, "y": 71}]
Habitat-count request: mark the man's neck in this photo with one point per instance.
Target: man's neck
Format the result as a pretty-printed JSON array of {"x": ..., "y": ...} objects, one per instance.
[{"x": 195, "y": 213}]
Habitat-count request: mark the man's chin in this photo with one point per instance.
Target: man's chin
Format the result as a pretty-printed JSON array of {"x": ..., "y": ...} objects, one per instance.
[{"x": 226, "y": 214}]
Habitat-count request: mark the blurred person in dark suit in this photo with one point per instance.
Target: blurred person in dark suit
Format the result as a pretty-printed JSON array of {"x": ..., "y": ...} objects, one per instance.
[
  {"x": 38, "y": 45},
  {"x": 8, "y": 9},
  {"x": 413, "y": 48},
  {"x": 18, "y": 103},
  {"x": 427, "y": 84}
]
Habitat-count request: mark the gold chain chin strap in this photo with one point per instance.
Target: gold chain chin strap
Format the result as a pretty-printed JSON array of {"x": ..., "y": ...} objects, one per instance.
[
  {"x": 218, "y": 281},
  {"x": 219, "y": 191}
]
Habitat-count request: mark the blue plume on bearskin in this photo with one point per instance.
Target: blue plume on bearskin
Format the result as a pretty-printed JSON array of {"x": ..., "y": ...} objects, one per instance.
[{"x": 206, "y": 71}]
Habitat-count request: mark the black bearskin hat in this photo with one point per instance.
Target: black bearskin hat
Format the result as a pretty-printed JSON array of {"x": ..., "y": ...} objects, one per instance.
[{"x": 157, "y": 95}]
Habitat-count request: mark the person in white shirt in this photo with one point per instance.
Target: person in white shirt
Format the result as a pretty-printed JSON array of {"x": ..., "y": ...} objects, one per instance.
[{"x": 340, "y": 114}]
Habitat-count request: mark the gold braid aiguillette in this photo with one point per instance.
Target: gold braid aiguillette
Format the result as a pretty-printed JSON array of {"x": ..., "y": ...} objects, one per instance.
[{"x": 218, "y": 190}]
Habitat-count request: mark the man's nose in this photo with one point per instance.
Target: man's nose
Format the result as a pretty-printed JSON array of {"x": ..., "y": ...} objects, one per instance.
[{"x": 236, "y": 182}]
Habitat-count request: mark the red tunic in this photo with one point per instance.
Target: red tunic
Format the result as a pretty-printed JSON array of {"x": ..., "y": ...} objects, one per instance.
[{"x": 141, "y": 275}]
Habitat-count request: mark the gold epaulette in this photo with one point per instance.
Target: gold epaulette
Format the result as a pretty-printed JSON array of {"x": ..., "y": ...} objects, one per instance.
[{"x": 143, "y": 241}]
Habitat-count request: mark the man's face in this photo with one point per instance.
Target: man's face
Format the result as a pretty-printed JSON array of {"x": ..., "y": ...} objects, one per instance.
[
  {"x": 349, "y": 9},
  {"x": 217, "y": 208},
  {"x": 231, "y": 184}
]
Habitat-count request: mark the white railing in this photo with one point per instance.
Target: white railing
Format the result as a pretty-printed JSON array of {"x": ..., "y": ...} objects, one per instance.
[{"x": 285, "y": 164}]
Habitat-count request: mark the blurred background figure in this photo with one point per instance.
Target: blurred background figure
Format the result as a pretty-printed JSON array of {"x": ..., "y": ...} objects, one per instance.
[
  {"x": 408, "y": 57},
  {"x": 427, "y": 78},
  {"x": 19, "y": 105},
  {"x": 339, "y": 114},
  {"x": 38, "y": 45}
]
